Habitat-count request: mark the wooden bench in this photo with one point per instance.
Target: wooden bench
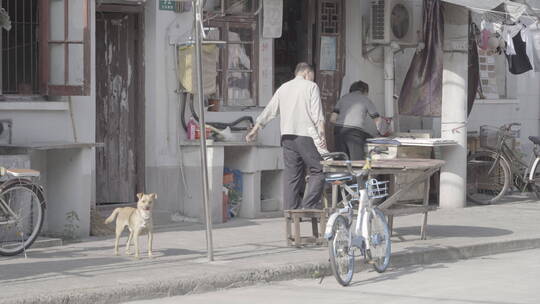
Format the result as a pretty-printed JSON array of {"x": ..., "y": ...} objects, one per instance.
[{"x": 318, "y": 219}]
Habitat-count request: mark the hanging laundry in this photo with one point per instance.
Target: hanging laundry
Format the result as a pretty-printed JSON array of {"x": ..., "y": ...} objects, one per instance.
[
  {"x": 508, "y": 34},
  {"x": 519, "y": 63},
  {"x": 515, "y": 10},
  {"x": 533, "y": 46},
  {"x": 487, "y": 25},
  {"x": 484, "y": 39}
]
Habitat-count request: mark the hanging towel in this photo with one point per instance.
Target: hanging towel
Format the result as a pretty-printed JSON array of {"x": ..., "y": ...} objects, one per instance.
[
  {"x": 188, "y": 72},
  {"x": 519, "y": 63}
]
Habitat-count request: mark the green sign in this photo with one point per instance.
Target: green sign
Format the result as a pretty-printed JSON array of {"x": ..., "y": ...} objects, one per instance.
[{"x": 167, "y": 5}]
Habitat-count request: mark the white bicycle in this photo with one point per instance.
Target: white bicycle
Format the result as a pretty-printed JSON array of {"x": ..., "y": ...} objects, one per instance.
[{"x": 370, "y": 237}]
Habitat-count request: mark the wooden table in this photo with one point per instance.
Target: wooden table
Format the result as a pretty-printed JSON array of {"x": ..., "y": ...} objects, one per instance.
[{"x": 423, "y": 167}]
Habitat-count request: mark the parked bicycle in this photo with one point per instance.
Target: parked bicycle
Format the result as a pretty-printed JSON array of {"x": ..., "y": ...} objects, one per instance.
[
  {"x": 22, "y": 207},
  {"x": 370, "y": 237},
  {"x": 492, "y": 171}
]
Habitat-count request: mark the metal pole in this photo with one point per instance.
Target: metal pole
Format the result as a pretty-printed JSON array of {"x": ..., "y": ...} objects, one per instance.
[
  {"x": 197, "y": 11},
  {"x": 389, "y": 79}
]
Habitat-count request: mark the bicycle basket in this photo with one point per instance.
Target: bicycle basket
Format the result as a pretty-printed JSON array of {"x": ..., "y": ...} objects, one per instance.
[
  {"x": 489, "y": 136},
  {"x": 377, "y": 189}
]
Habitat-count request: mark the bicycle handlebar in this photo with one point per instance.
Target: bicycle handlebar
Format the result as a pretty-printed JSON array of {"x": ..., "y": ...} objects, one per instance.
[
  {"x": 509, "y": 126},
  {"x": 335, "y": 155}
]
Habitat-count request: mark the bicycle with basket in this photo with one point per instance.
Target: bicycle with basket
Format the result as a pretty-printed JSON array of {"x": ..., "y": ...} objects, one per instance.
[{"x": 494, "y": 169}]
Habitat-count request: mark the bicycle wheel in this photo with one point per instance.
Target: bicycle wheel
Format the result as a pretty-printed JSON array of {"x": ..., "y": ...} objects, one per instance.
[
  {"x": 341, "y": 260},
  {"x": 487, "y": 179},
  {"x": 534, "y": 181},
  {"x": 379, "y": 240},
  {"x": 21, "y": 217}
]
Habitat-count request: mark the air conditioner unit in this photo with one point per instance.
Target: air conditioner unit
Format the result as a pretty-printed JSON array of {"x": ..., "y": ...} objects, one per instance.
[{"x": 396, "y": 21}]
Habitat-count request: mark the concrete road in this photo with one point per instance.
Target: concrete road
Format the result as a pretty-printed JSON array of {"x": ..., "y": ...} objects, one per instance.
[{"x": 498, "y": 279}]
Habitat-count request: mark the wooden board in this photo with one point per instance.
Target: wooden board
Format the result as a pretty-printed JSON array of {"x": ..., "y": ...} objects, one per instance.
[
  {"x": 391, "y": 164},
  {"x": 422, "y": 142}
]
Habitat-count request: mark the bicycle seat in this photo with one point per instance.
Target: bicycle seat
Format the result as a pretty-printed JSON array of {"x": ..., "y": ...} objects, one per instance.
[
  {"x": 338, "y": 177},
  {"x": 22, "y": 172},
  {"x": 535, "y": 139}
]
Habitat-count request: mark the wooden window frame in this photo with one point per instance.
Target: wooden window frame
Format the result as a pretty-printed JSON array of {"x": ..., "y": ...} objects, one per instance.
[
  {"x": 223, "y": 12},
  {"x": 65, "y": 89},
  {"x": 224, "y": 23}
]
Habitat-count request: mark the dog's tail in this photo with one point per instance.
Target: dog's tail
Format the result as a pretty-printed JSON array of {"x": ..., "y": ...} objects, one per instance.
[{"x": 113, "y": 215}]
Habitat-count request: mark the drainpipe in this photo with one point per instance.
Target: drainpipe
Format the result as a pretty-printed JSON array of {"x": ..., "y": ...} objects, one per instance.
[
  {"x": 389, "y": 82},
  {"x": 454, "y": 107}
]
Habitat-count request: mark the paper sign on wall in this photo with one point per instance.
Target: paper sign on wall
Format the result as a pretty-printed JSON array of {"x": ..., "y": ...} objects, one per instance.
[
  {"x": 328, "y": 60},
  {"x": 272, "y": 18}
]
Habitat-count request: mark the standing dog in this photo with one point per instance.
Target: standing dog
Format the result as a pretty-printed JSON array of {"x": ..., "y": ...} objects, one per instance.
[{"x": 137, "y": 220}]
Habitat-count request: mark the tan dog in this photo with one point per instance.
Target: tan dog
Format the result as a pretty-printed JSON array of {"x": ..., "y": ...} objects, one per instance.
[{"x": 137, "y": 220}]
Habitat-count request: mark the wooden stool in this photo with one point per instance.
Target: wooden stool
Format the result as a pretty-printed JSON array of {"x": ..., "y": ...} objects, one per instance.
[{"x": 318, "y": 223}]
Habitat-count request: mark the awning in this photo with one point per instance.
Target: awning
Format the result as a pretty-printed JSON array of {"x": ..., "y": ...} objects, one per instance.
[
  {"x": 515, "y": 9},
  {"x": 472, "y": 4}
]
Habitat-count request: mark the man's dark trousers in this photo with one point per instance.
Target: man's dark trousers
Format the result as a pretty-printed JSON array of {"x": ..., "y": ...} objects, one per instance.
[
  {"x": 351, "y": 141},
  {"x": 299, "y": 153}
]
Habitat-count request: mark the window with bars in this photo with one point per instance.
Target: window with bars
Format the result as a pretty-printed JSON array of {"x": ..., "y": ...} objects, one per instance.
[
  {"x": 238, "y": 60},
  {"x": 19, "y": 48},
  {"x": 496, "y": 82},
  {"x": 47, "y": 50}
]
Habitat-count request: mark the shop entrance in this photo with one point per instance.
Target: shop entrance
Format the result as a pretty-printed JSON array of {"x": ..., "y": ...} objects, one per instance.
[{"x": 313, "y": 32}]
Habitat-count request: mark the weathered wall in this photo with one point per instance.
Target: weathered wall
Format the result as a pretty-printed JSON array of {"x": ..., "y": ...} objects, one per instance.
[{"x": 163, "y": 132}]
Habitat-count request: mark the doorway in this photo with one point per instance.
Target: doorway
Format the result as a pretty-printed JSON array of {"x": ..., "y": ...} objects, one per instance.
[
  {"x": 296, "y": 42},
  {"x": 119, "y": 105},
  {"x": 313, "y": 32}
]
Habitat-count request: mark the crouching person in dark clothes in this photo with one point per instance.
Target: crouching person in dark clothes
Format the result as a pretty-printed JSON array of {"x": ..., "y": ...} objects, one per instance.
[
  {"x": 299, "y": 106},
  {"x": 350, "y": 118}
]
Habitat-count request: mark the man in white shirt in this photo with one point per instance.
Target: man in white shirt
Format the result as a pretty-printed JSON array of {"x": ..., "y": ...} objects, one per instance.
[{"x": 299, "y": 106}]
